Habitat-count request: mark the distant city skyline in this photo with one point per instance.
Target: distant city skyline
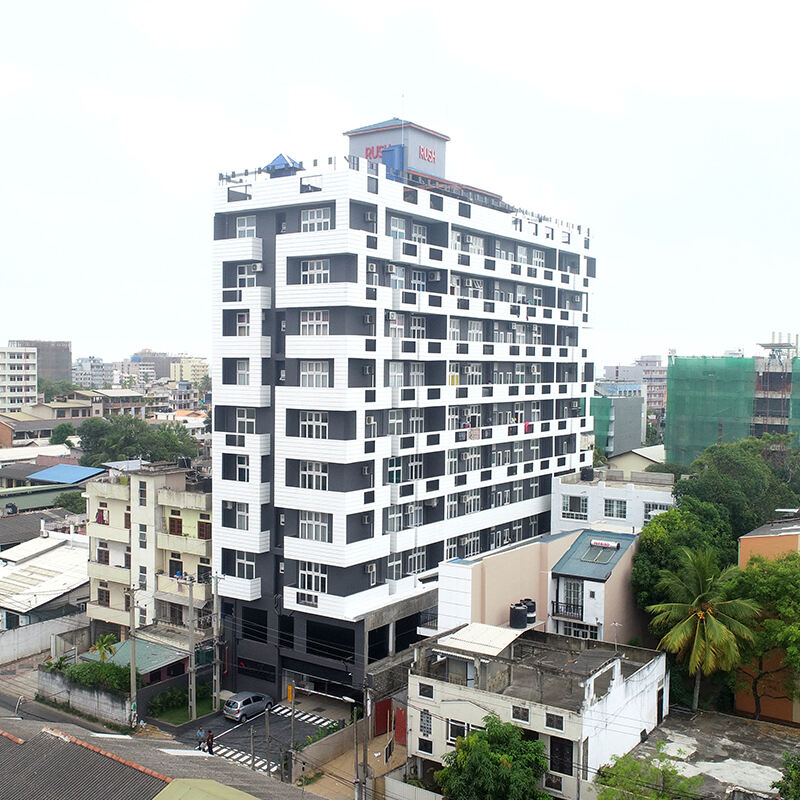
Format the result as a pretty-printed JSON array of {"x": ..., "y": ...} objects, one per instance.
[{"x": 683, "y": 167}]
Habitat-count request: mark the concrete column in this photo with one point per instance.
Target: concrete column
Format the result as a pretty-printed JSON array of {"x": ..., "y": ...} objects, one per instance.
[{"x": 391, "y": 638}]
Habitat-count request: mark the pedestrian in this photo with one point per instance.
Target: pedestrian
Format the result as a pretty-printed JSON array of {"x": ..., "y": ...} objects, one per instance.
[
  {"x": 201, "y": 738},
  {"x": 210, "y": 742}
]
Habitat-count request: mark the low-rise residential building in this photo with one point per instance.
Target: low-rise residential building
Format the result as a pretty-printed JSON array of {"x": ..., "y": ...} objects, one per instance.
[
  {"x": 585, "y": 700},
  {"x": 150, "y": 528},
  {"x": 19, "y": 429},
  {"x": 638, "y": 459},
  {"x": 609, "y": 496},
  {"x": 18, "y": 377}
]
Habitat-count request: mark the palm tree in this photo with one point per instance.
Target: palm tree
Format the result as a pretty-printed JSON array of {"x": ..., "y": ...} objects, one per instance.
[
  {"x": 104, "y": 646},
  {"x": 704, "y": 624}
]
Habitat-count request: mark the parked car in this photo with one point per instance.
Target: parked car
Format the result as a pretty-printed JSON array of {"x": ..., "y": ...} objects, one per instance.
[{"x": 244, "y": 705}]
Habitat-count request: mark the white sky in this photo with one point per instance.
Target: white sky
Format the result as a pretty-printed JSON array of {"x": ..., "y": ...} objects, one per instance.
[{"x": 672, "y": 130}]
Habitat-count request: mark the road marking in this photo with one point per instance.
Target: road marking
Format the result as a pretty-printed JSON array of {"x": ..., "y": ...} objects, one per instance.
[
  {"x": 174, "y": 751},
  {"x": 303, "y": 716}
]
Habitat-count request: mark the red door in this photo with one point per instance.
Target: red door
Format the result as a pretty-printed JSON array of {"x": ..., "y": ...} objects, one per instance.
[
  {"x": 400, "y": 725},
  {"x": 383, "y": 716}
]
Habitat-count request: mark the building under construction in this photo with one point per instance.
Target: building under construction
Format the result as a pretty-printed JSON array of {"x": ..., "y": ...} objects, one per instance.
[{"x": 724, "y": 399}]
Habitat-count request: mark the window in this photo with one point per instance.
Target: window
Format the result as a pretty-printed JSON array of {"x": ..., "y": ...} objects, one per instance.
[
  {"x": 370, "y": 426},
  {"x": 455, "y": 730},
  {"x": 397, "y": 228},
  {"x": 312, "y": 578},
  {"x": 418, "y": 280},
  {"x": 475, "y": 331},
  {"x": 245, "y": 565},
  {"x": 243, "y": 468},
  {"x": 314, "y": 526},
  {"x": 472, "y": 501},
  {"x": 416, "y": 373},
  {"x": 245, "y": 277},
  {"x": 396, "y": 374},
  {"x": 475, "y": 244},
  {"x": 454, "y": 330},
  {"x": 573, "y": 507},
  {"x": 142, "y": 493},
  {"x": 616, "y": 509},
  {"x": 560, "y": 755},
  {"x": 426, "y": 690},
  {"x": 573, "y": 596},
  {"x": 451, "y": 548},
  {"x": 579, "y": 630},
  {"x": 398, "y": 278},
  {"x": 241, "y": 516},
  {"x": 103, "y": 597},
  {"x": 242, "y": 371},
  {"x": 176, "y": 526},
  {"x": 394, "y": 470},
  {"x": 651, "y": 509},
  {"x": 314, "y": 424},
  {"x": 314, "y": 323},
  {"x": 143, "y": 536},
  {"x": 417, "y": 327},
  {"x": 472, "y": 544},
  {"x": 554, "y": 721},
  {"x": 394, "y": 567},
  {"x": 425, "y": 722},
  {"x": 416, "y": 419},
  {"x": 143, "y": 578},
  {"x": 520, "y": 713},
  {"x": 203, "y": 530},
  {"x": 102, "y": 553},
  {"x": 315, "y": 219},
  {"x": 416, "y": 560},
  {"x": 538, "y": 297},
  {"x": 412, "y": 515},
  {"x": 415, "y": 468},
  {"x": 316, "y": 271},
  {"x": 425, "y": 745},
  {"x": 419, "y": 233},
  {"x": 452, "y": 506},
  {"x": 395, "y": 422},
  {"x": 245, "y": 420},
  {"x": 314, "y": 374},
  {"x": 397, "y": 326},
  {"x": 313, "y": 475},
  {"x": 242, "y": 323},
  {"x": 456, "y": 240},
  {"x": 245, "y": 227}
]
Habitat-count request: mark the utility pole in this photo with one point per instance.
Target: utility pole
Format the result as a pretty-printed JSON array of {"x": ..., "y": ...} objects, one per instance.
[
  {"x": 253, "y": 747},
  {"x": 217, "y": 628},
  {"x": 291, "y": 735},
  {"x": 365, "y": 742},
  {"x": 615, "y": 625},
  {"x": 189, "y": 581},
  {"x": 131, "y": 594},
  {"x": 266, "y": 739},
  {"x": 355, "y": 751}
]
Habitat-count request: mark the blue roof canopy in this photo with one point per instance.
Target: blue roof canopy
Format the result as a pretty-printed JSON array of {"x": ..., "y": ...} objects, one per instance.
[{"x": 67, "y": 473}]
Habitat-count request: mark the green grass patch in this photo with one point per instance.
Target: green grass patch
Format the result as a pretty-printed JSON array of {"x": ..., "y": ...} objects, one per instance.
[{"x": 177, "y": 716}]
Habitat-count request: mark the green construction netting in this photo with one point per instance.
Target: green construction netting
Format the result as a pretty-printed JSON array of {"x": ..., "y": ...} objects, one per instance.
[
  {"x": 794, "y": 401},
  {"x": 600, "y": 408},
  {"x": 708, "y": 399}
]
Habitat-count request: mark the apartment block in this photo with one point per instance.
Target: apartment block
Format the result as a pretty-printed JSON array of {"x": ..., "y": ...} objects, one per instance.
[
  {"x": 150, "y": 528},
  {"x": 54, "y": 359},
  {"x": 585, "y": 700},
  {"x": 92, "y": 373},
  {"x": 188, "y": 369},
  {"x": 18, "y": 376},
  {"x": 655, "y": 381},
  {"x": 399, "y": 371}
]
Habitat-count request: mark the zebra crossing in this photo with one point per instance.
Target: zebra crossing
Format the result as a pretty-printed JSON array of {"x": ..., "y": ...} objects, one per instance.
[
  {"x": 240, "y": 757},
  {"x": 302, "y": 716}
]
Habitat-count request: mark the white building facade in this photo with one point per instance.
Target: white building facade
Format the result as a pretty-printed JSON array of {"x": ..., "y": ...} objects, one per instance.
[
  {"x": 399, "y": 370},
  {"x": 18, "y": 376}
]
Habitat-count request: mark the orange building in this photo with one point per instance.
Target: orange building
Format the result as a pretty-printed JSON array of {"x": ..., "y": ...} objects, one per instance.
[{"x": 773, "y": 540}]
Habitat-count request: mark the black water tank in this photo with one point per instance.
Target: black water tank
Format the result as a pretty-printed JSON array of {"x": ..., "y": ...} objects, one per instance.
[
  {"x": 530, "y": 607},
  {"x": 518, "y": 616},
  {"x": 587, "y": 473}
]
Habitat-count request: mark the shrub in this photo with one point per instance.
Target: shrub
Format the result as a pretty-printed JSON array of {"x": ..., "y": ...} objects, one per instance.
[
  {"x": 175, "y": 698},
  {"x": 102, "y": 675}
]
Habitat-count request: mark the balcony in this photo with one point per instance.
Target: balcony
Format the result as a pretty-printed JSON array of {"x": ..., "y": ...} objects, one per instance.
[
  {"x": 106, "y": 572},
  {"x": 108, "y": 533},
  {"x": 116, "y": 616},
  {"x": 240, "y": 588},
  {"x": 428, "y": 621},
  {"x": 199, "y": 501},
  {"x": 201, "y": 592},
  {"x": 184, "y": 544},
  {"x": 110, "y": 489},
  {"x": 570, "y": 610}
]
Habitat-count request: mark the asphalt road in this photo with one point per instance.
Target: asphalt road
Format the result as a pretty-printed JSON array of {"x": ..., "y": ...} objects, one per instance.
[{"x": 231, "y": 734}]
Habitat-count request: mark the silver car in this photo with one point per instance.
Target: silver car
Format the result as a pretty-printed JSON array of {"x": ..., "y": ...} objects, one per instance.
[{"x": 245, "y": 705}]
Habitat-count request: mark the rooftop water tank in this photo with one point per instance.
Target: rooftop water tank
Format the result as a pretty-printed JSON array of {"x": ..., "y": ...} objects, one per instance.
[
  {"x": 530, "y": 608},
  {"x": 518, "y": 616}
]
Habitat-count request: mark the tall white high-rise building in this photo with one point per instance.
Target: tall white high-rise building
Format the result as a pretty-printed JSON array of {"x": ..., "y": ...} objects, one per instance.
[
  {"x": 399, "y": 370},
  {"x": 18, "y": 375}
]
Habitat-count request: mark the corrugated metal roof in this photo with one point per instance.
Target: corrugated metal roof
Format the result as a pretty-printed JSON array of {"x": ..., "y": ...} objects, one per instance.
[
  {"x": 67, "y": 473},
  {"x": 478, "y": 637},
  {"x": 394, "y": 122},
  {"x": 149, "y": 655},
  {"x": 584, "y": 561}
]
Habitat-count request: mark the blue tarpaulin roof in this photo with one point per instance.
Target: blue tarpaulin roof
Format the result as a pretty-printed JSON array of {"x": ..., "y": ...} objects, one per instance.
[{"x": 67, "y": 473}]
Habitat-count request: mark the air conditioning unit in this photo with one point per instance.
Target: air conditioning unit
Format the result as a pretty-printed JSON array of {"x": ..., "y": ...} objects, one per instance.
[
  {"x": 366, "y": 519},
  {"x": 369, "y": 419},
  {"x": 281, "y": 519},
  {"x": 368, "y": 319},
  {"x": 368, "y": 369},
  {"x": 372, "y": 267},
  {"x": 432, "y": 502},
  {"x": 391, "y": 269},
  {"x": 434, "y": 276},
  {"x": 282, "y": 375},
  {"x": 467, "y": 281},
  {"x": 534, "y": 369},
  {"x": 283, "y": 227},
  {"x": 391, "y": 315},
  {"x": 366, "y": 470},
  {"x": 257, "y": 267},
  {"x": 370, "y": 216},
  {"x": 369, "y": 568},
  {"x": 464, "y": 456},
  {"x": 283, "y": 326}
]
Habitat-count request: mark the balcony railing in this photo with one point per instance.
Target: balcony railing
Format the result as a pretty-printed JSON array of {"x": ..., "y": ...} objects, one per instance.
[
  {"x": 429, "y": 618},
  {"x": 571, "y": 610}
]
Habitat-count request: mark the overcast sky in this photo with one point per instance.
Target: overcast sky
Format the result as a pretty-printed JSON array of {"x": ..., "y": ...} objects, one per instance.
[{"x": 671, "y": 130}]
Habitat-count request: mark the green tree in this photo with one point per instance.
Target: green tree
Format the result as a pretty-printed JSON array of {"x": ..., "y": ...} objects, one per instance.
[
  {"x": 736, "y": 477},
  {"x": 204, "y": 384},
  {"x": 653, "y": 778},
  {"x": 789, "y": 785},
  {"x": 62, "y": 432},
  {"x": 52, "y": 388},
  {"x": 599, "y": 458},
  {"x": 771, "y": 662},
  {"x": 702, "y": 624},
  {"x": 494, "y": 764},
  {"x": 104, "y": 646},
  {"x": 694, "y": 524},
  {"x": 651, "y": 436},
  {"x": 71, "y": 501}
]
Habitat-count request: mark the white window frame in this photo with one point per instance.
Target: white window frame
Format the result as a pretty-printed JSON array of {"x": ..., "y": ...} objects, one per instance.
[
  {"x": 316, "y": 270},
  {"x": 397, "y": 326},
  {"x": 615, "y": 509},
  {"x": 418, "y": 327},
  {"x": 394, "y": 567},
  {"x": 414, "y": 467},
  {"x": 315, "y": 322},
  {"x": 245, "y": 565},
  {"x": 416, "y": 560},
  {"x": 314, "y": 475},
  {"x": 394, "y": 469},
  {"x": 242, "y": 371},
  {"x": 394, "y": 519},
  {"x": 419, "y": 233},
  {"x": 245, "y": 420},
  {"x": 246, "y": 227},
  {"x": 312, "y": 577},
  {"x": 472, "y": 544},
  {"x": 395, "y": 422},
  {"x": 454, "y": 329},
  {"x": 243, "y": 468},
  {"x": 397, "y": 279},
  {"x": 397, "y": 227},
  {"x": 567, "y": 510},
  {"x": 474, "y": 330},
  {"x": 314, "y": 424},
  {"x": 416, "y": 421},
  {"x": 396, "y": 374},
  {"x": 242, "y": 323},
  {"x": 315, "y": 219},
  {"x": 416, "y": 373},
  {"x": 313, "y": 526},
  {"x": 451, "y": 548},
  {"x": 315, "y": 374},
  {"x": 455, "y": 730},
  {"x": 418, "y": 280}
]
